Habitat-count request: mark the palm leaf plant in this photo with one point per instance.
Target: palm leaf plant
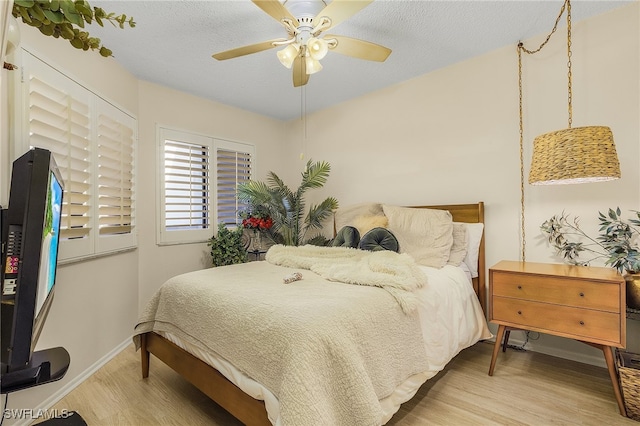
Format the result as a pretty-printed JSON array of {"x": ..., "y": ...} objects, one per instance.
[{"x": 292, "y": 222}]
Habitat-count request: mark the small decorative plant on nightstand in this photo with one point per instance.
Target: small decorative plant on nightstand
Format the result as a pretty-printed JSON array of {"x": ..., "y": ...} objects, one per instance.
[
  {"x": 227, "y": 247},
  {"x": 617, "y": 242}
]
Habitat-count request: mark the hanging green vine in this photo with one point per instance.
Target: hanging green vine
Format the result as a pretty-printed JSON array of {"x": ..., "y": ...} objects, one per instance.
[{"x": 61, "y": 18}]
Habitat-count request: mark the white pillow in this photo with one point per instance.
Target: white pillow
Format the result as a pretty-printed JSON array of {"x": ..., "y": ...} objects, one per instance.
[
  {"x": 474, "y": 231},
  {"x": 424, "y": 234},
  {"x": 459, "y": 248},
  {"x": 366, "y": 223},
  {"x": 348, "y": 216}
]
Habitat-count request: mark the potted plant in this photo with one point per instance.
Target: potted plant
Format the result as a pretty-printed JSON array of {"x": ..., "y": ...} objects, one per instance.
[
  {"x": 227, "y": 247},
  {"x": 617, "y": 243},
  {"x": 286, "y": 208}
]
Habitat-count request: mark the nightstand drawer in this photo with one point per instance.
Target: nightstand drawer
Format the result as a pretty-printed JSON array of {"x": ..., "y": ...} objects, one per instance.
[
  {"x": 558, "y": 290},
  {"x": 576, "y": 323}
]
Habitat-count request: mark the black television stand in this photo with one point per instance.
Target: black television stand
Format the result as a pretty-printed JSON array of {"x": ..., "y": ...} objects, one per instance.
[{"x": 47, "y": 365}]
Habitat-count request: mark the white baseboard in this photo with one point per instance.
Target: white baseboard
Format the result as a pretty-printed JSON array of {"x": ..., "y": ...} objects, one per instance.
[
  {"x": 75, "y": 382},
  {"x": 558, "y": 352}
]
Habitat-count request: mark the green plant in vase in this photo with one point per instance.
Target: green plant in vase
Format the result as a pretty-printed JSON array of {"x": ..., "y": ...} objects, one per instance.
[
  {"x": 257, "y": 221},
  {"x": 617, "y": 243}
]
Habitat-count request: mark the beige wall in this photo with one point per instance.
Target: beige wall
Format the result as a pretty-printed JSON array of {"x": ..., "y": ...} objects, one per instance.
[
  {"x": 169, "y": 108},
  {"x": 452, "y": 136}
]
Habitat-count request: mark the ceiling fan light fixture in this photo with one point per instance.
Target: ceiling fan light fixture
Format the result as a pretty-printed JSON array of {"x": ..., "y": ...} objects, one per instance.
[
  {"x": 288, "y": 54},
  {"x": 306, "y": 45},
  {"x": 317, "y": 48},
  {"x": 313, "y": 66}
]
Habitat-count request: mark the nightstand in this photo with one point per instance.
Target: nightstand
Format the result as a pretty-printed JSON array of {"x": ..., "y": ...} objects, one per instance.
[{"x": 578, "y": 302}]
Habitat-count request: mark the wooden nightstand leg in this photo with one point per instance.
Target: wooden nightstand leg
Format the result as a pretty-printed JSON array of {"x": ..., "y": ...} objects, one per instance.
[
  {"x": 611, "y": 366},
  {"x": 496, "y": 348}
]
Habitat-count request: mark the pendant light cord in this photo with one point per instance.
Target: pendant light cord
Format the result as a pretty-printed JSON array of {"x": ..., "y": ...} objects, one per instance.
[{"x": 521, "y": 48}]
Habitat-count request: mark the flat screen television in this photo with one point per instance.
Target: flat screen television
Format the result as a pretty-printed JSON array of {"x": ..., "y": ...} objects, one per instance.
[{"x": 30, "y": 240}]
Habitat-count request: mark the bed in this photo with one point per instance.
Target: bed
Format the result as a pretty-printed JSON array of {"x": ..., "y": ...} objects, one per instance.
[{"x": 336, "y": 353}]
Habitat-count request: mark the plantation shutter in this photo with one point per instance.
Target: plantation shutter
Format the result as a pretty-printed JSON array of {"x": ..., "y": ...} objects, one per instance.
[
  {"x": 115, "y": 145},
  {"x": 186, "y": 179},
  {"x": 190, "y": 186},
  {"x": 59, "y": 121},
  {"x": 233, "y": 166},
  {"x": 93, "y": 144}
]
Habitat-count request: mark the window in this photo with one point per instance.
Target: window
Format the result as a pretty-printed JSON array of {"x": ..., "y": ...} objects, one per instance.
[
  {"x": 232, "y": 168},
  {"x": 192, "y": 168},
  {"x": 93, "y": 144}
]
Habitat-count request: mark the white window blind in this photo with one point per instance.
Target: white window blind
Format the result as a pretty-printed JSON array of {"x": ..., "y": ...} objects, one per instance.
[
  {"x": 87, "y": 137},
  {"x": 199, "y": 178},
  {"x": 184, "y": 200},
  {"x": 115, "y": 175},
  {"x": 232, "y": 168},
  {"x": 60, "y": 123},
  {"x": 54, "y": 113},
  {"x": 186, "y": 185}
]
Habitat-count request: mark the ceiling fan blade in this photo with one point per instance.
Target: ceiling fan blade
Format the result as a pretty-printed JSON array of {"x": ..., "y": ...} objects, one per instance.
[
  {"x": 340, "y": 10},
  {"x": 246, "y": 50},
  {"x": 300, "y": 76},
  {"x": 275, "y": 9},
  {"x": 359, "y": 48}
]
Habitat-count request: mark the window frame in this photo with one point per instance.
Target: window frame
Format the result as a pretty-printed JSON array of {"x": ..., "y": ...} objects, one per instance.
[{"x": 165, "y": 236}]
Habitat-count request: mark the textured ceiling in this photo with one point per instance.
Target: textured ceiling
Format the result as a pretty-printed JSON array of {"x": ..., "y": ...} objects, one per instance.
[{"x": 173, "y": 41}]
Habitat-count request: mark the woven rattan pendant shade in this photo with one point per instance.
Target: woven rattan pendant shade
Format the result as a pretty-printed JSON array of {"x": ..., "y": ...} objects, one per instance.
[{"x": 574, "y": 155}]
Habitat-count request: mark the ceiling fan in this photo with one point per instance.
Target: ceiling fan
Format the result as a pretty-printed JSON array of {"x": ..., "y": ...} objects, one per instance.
[{"x": 305, "y": 22}]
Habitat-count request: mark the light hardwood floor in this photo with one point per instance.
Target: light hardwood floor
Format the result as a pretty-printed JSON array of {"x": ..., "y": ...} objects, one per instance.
[{"x": 527, "y": 389}]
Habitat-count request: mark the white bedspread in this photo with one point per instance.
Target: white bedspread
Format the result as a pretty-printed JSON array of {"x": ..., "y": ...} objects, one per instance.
[{"x": 329, "y": 352}]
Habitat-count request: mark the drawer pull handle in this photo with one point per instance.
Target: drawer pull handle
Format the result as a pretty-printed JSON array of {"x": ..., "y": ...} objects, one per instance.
[
  {"x": 519, "y": 312},
  {"x": 519, "y": 287},
  {"x": 581, "y": 322},
  {"x": 581, "y": 294}
]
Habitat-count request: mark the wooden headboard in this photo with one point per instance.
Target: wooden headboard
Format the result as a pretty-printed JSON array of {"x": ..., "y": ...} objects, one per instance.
[{"x": 470, "y": 213}]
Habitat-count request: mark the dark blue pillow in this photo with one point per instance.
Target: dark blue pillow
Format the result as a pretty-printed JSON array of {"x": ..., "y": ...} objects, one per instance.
[
  {"x": 348, "y": 236},
  {"x": 379, "y": 239}
]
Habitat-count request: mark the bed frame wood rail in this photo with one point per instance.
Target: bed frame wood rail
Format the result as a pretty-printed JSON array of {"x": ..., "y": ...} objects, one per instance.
[{"x": 248, "y": 410}]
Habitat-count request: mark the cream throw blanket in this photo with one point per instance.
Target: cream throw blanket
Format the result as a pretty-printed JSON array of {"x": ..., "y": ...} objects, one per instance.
[
  {"x": 396, "y": 273},
  {"x": 328, "y": 351}
]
